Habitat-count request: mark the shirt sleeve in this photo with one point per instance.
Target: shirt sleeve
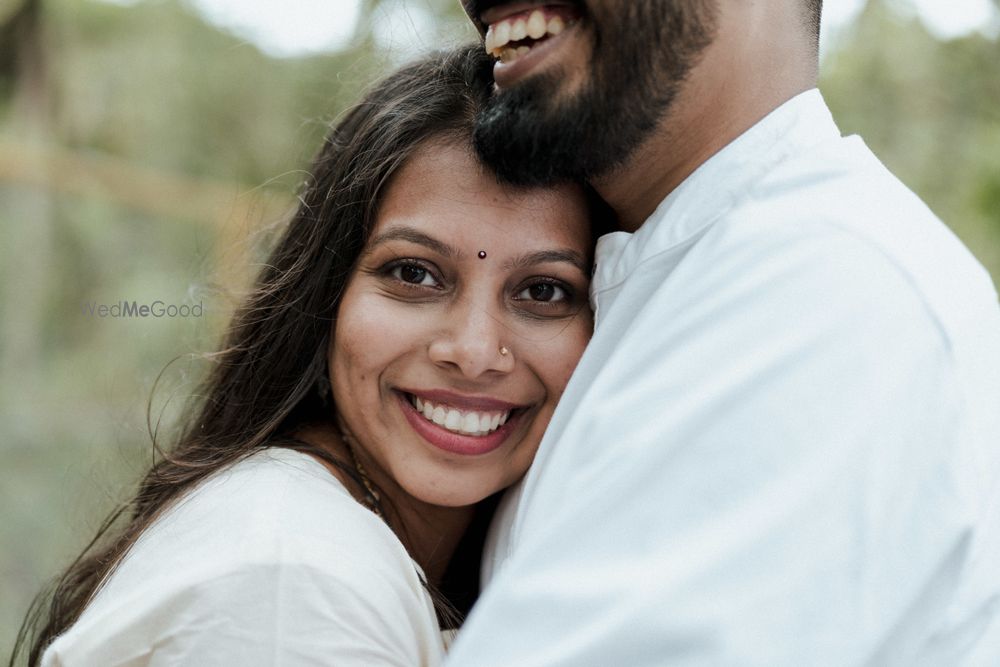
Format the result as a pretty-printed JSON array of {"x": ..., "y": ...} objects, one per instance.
[
  {"x": 269, "y": 614},
  {"x": 725, "y": 485}
]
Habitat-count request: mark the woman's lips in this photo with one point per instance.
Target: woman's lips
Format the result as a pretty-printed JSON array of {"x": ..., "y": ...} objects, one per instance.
[{"x": 459, "y": 443}]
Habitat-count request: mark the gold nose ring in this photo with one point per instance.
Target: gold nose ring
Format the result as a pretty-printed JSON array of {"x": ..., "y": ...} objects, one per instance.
[{"x": 504, "y": 351}]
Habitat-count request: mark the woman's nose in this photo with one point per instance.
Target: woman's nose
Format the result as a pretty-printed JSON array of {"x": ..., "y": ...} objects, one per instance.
[{"x": 471, "y": 340}]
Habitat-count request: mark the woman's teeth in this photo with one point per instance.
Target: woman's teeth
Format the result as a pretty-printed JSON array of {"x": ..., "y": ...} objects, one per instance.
[
  {"x": 501, "y": 35},
  {"x": 466, "y": 422}
]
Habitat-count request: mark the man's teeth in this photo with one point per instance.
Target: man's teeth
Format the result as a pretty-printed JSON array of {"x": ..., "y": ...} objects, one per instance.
[
  {"x": 514, "y": 29},
  {"x": 466, "y": 422}
]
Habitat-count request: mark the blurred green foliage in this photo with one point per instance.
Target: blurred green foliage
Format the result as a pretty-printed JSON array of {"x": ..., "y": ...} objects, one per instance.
[
  {"x": 931, "y": 111},
  {"x": 142, "y": 151}
]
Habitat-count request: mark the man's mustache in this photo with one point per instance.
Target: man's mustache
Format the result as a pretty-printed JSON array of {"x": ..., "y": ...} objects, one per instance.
[{"x": 475, "y": 8}]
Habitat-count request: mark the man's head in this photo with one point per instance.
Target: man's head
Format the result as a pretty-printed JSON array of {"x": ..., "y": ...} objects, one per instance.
[{"x": 582, "y": 83}]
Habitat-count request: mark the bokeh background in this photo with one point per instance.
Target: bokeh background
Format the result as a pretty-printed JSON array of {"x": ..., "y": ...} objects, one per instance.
[{"x": 148, "y": 148}]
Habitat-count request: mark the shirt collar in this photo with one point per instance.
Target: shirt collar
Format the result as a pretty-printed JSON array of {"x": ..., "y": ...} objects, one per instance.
[{"x": 717, "y": 185}]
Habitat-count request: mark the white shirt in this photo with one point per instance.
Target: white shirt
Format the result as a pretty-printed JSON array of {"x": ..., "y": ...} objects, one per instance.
[
  {"x": 781, "y": 446},
  {"x": 271, "y": 562}
]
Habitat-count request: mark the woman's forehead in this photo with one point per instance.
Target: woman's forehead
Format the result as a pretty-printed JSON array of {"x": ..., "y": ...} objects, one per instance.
[{"x": 444, "y": 188}]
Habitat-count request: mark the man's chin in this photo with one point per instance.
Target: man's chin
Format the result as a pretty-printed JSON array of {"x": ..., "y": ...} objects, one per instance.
[{"x": 526, "y": 135}]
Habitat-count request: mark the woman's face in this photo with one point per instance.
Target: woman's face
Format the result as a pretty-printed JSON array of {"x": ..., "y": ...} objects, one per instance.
[{"x": 460, "y": 326}]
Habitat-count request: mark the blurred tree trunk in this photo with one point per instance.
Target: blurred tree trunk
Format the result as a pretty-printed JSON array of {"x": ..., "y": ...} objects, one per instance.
[{"x": 28, "y": 252}]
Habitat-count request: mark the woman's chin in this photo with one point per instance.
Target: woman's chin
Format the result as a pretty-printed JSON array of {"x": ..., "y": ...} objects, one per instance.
[{"x": 453, "y": 495}]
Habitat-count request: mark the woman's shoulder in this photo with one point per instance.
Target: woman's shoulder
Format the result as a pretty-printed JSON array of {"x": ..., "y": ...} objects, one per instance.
[
  {"x": 278, "y": 506},
  {"x": 273, "y": 543}
]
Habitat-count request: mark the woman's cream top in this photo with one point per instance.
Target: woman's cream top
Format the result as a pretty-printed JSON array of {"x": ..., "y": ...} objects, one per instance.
[{"x": 270, "y": 562}]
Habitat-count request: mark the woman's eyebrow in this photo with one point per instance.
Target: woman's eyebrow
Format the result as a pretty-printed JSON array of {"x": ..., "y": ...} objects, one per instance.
[
  {"x": 414, "y": 236},
  {"x": 543, "y": 256}
]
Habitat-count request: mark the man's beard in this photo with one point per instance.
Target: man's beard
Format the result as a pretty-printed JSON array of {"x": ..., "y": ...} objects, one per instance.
[{"x": 641, "y": 53}]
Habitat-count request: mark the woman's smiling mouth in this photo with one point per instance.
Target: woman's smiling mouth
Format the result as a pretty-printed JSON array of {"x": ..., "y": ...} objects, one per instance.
[
  {"x": 467, "y": 422},
  {"x": 457, "y": 424}
]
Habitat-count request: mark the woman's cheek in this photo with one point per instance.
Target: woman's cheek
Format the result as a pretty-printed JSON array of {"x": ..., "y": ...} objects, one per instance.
[
  {"x": 375, "y": 331},
  {"x": 563, "y": 353}
]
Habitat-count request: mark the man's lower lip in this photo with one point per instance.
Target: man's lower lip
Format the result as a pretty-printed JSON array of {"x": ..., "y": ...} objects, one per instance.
[
  {"x": 507, "y": 74},
  {"x": 455, "y": 443}
]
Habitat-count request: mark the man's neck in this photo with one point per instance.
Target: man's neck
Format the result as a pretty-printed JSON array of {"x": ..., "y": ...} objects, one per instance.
[{"x": 727, "y": 92}]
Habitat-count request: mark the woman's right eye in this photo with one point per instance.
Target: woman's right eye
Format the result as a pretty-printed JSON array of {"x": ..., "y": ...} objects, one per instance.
[{"x": 412, "y": 274}]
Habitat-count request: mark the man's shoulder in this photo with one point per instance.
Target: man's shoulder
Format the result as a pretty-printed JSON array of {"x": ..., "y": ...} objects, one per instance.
[
  {"x": 840, "y": 184},
  {"x": 845, "y": 209}
]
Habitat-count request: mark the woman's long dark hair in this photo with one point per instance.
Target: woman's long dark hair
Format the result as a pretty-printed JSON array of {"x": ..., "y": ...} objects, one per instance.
[{"x": 262, "y": 386}]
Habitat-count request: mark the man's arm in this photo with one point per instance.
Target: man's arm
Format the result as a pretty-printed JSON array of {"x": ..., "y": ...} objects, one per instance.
[{"x": 762, "y": 478}]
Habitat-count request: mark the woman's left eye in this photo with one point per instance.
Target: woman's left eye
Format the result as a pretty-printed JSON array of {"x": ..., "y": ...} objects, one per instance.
[{"x": 543, "y": 292}]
